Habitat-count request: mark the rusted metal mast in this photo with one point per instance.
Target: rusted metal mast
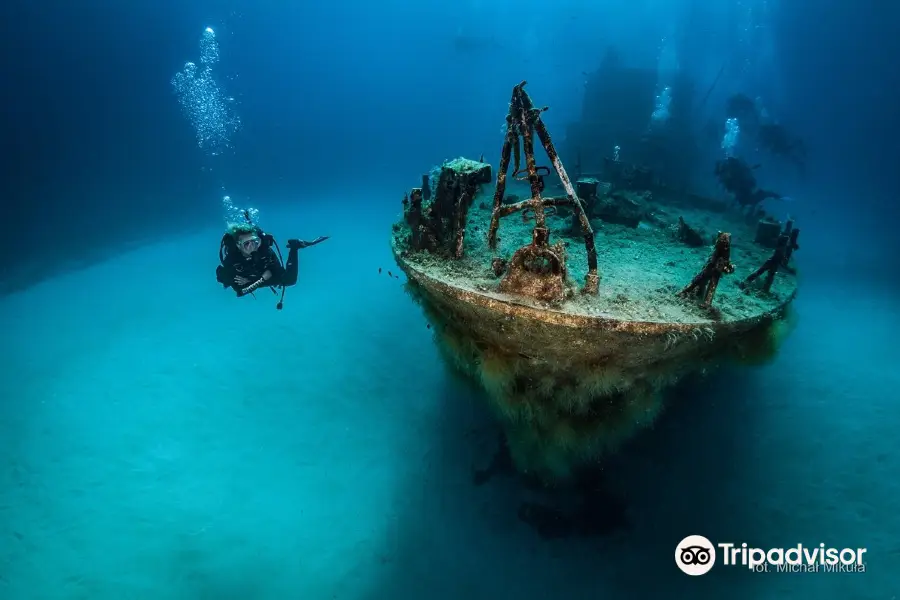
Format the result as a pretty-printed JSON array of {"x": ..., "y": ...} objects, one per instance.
[{"x": 522, "y": 122}]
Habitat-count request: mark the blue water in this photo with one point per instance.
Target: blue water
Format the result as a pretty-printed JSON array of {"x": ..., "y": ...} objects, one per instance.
[{"x": 163, "y": 440}]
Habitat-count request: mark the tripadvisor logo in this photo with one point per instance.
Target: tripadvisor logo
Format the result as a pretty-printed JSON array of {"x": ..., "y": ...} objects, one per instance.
[{"x": 696, "y": 555}]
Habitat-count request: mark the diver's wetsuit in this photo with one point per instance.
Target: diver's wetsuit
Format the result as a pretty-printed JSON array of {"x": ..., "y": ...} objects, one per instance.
[
  {"x": 252, "y": 267},
  {"x": 776, "y": 139},
  {"x": 736, "y": 176}
]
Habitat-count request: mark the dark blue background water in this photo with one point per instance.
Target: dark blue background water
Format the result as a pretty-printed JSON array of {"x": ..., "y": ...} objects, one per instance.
[
  {"x": 344, "y": 90},
  {"x": 160, "y": 440}
]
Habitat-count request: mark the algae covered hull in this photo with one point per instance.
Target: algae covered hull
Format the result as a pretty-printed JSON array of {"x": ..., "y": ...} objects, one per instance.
[
  {"x": 574, "y": 335},
  {"x": 512, "y": 325}
]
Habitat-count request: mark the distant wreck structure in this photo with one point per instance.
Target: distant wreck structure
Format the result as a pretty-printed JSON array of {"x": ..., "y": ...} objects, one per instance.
[
  {"x": 574, "y": 304},
  {"x": 615, "y": 138}
]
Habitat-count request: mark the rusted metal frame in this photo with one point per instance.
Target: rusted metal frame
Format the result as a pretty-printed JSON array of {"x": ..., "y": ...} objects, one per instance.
[
  {"x": 592, "y": 279},
  {"x": 524, "y": 120},
  {"x": 508, "y": 209}
]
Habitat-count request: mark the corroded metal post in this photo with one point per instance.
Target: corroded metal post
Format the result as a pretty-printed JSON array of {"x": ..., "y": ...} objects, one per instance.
[
  {"x": 527, "y": 119},
  {"x": 792, "y": 245},
  {"x": 707, "y": 280},
  {"x": 770, "y": 267},
  {"x": 511, "y": 138},
  {"x": 438, "y": 225},
  {"x": 414, "y": 216}
]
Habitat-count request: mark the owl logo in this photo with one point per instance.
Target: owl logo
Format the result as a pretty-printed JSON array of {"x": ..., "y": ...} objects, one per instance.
[{"x": 695, "y": 555}]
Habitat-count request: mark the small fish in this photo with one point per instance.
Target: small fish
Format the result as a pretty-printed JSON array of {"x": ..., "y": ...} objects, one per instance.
[
  {"x": 379, "y": 270},
  {"x": 428, "y": 325},
  {"x": 396, "y": 277},
  {"x": 390, "y": 274}
]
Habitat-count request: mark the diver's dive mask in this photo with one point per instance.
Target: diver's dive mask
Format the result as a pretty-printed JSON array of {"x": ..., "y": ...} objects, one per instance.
[{"x": 249, "y": 245}]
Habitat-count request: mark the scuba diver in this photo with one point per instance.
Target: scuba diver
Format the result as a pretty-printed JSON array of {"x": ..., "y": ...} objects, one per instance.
[
  {"x": 743, "y": 108},
  {"x": 778, "y": 142},
  {"x": 736, "y": 176},
  {"x": 249, "y": 261},
  {"x": 770, "y": 136}
]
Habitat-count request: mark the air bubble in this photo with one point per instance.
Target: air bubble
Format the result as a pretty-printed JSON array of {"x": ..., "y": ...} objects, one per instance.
[{"x": 208, "y": 109}]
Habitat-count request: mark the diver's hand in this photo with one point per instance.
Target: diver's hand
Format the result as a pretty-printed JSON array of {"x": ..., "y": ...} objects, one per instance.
[{"x": 242, "y": 280}]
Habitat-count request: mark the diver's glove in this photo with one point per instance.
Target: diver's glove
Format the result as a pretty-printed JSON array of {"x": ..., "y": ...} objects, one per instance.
[{"x": 300, "y": 244}]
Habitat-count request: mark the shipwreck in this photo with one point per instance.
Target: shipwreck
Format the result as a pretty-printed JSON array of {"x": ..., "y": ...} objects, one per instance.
[{"x": 574, "y": 303}]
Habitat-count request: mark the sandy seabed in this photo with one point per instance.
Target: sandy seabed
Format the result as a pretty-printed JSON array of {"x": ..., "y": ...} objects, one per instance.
[{"x": 163, "y": 440}]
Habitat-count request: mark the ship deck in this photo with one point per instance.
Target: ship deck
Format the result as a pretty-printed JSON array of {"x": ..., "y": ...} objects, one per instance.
[{"x": 642, "y": 268}]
